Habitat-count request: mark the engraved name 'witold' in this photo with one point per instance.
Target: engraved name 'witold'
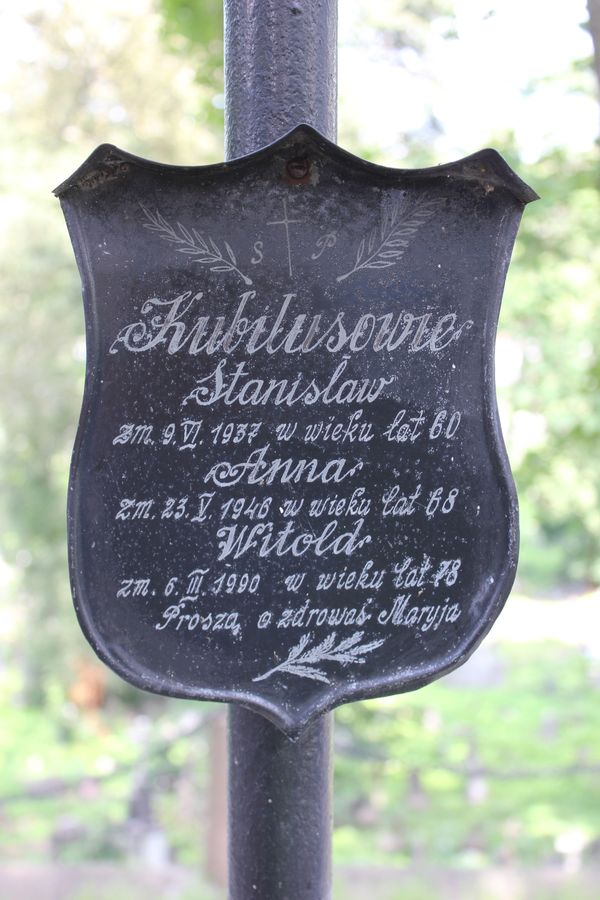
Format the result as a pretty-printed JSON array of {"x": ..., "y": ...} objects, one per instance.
[{"x": 176, "y": 325}]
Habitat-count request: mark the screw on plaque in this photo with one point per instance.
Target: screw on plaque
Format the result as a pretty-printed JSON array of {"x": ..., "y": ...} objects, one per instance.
[{"x": 297, "y": 170}]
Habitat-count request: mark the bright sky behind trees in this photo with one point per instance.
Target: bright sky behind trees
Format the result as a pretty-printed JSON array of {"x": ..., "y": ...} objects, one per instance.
[{"x": 510, "y": 66}]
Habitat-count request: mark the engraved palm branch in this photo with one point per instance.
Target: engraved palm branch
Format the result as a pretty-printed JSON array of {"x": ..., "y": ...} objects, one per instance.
[
  {"x": 386, "y": 243},
  {"x": 193, "y": 244},
  {"x": 302, "y": 660}
]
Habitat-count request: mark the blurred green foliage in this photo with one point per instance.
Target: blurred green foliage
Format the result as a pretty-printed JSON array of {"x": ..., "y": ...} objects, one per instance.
[
  {"x": 475, "y": 775},
  {"x": 195, "y": 29},
  {"x": 551, "y": 321},
  {"x": 454, "y": 774}
]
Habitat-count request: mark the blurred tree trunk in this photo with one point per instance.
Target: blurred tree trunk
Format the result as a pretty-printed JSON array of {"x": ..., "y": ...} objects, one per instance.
[
  {"x": 594, "y": 28},
  {"x": 216, "y": 845}
]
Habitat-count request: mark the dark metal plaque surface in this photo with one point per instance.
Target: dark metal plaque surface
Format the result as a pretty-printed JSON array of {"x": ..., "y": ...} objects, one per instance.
[{"x": 289, "y": 487}]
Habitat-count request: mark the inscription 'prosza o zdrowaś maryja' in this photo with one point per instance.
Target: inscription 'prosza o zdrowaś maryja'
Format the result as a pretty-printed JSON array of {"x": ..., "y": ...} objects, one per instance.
[{"x": 289, "y": 487}]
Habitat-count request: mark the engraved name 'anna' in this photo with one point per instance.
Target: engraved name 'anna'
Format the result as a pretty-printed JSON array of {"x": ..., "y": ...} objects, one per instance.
[{"x": 176, "y": 326}]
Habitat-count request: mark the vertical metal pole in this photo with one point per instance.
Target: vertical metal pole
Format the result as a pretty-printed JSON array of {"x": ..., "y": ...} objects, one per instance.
[
  {"x": 279, "y": 810},
  {"x": 280, "y": 71}
]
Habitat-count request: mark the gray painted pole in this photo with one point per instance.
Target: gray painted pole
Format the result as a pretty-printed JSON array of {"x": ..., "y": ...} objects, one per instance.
[
  {"x": 279, "y": 810},
  {"x": 280, "y": 71}
]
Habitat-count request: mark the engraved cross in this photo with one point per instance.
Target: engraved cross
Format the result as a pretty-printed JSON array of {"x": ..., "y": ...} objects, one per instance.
[{"x": 286, "y": 222}]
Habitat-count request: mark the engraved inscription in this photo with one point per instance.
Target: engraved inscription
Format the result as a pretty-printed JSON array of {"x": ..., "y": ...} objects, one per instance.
[{"x": 337, "y": 512}]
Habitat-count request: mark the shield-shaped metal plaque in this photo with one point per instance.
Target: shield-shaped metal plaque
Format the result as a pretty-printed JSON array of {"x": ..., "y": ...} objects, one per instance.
[{"x": 289, "y": 487}]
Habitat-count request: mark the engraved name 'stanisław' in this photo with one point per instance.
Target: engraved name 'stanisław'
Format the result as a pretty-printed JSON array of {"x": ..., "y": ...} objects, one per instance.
[{"x": 178, "y": 326}]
